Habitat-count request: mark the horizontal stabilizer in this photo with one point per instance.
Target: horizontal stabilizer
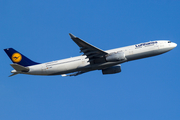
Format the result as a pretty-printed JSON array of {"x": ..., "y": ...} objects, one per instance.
[
  {"x": 20, "y": 68},
  {"x": 13, "y": 74}
]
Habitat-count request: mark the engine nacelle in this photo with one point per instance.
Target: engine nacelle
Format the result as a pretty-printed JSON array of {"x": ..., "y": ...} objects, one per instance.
[
  {"x": 112, "y": 70},
  {"x": 116, "y": 56}
]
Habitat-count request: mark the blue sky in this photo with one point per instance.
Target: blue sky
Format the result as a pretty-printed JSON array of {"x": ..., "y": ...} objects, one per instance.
[{"x": 146, "y": 89}]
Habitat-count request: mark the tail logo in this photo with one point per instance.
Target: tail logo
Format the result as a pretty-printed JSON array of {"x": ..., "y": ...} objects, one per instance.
[{"x": 16, "y": 57}]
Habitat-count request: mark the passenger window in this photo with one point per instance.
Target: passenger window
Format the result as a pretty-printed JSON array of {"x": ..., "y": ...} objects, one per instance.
[{"x": 169, "y": 41}]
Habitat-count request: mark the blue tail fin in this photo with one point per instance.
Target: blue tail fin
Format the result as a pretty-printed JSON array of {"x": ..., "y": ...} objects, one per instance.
[{"x": 18, "y": 58}]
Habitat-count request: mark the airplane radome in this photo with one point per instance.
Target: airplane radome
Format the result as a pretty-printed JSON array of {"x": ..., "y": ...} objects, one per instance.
[{"x": 92, "y": 58}]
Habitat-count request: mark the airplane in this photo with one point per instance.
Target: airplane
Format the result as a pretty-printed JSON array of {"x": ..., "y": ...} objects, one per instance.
[{"x": 92, "y": 58}]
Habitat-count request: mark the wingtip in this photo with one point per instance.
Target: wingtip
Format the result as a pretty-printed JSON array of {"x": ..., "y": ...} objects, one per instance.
[{"x": 72, "y": 36}]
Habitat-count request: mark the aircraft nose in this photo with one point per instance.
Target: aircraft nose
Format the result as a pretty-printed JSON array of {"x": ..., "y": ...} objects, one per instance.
[{"x": 174, "y": 45}]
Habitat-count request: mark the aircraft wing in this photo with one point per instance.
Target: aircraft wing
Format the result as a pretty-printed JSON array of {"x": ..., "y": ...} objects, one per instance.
[{"x": 89, "y": 50}]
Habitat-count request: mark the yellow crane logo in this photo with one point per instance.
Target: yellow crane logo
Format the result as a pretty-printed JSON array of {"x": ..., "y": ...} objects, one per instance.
[{"x": 16, "y": 57}]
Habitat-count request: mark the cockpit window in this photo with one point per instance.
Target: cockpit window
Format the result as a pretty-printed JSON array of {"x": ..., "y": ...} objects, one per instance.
[{"x": 169, "y": 41}]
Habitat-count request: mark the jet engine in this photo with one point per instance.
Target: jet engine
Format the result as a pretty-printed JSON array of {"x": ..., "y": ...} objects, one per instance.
[
  {"x": 116, "y": 56},
  {"x": 112, "y": 70}
]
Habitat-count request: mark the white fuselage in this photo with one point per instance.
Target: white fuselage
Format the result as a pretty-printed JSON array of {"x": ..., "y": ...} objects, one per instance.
[{"x": 81, "y": 63}]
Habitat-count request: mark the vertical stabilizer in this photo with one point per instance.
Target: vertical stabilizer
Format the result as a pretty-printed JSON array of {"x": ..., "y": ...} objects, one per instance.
[{"x": 18, "y": 58}]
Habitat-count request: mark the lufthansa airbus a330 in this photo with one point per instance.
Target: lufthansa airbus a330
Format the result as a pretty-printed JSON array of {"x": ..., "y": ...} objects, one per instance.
[{"x": 92, "y": 58}]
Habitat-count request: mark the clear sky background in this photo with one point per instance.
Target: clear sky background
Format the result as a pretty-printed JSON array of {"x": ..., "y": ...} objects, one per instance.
[{"x": 146, "y": 89}]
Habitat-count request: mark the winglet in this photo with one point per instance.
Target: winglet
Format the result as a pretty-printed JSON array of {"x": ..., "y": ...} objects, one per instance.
[{"x": 72, "y": 36}]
